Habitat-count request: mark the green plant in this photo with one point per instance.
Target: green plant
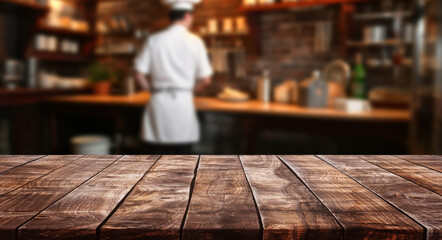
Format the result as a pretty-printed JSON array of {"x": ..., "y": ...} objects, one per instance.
[{"x": 100, "y": 73}]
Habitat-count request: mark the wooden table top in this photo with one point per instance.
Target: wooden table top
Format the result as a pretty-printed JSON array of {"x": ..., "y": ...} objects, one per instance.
[
  {"x": 204, "y": 104},
  {"x": 220, "y": 197}
]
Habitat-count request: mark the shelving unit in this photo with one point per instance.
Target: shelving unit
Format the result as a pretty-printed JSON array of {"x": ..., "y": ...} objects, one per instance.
[
  {"x": 84, "y": 39},
  {"x": 64, "y": 32},
  {"x": 24, "y": 4},
  {"x": 62, "y": 57}
]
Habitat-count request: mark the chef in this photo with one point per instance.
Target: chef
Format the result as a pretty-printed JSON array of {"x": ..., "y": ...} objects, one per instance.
[{"x": 177, "y": 64}]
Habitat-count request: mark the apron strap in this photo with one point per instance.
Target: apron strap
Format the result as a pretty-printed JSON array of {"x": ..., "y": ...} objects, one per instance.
[{"x": 171, "y": 90}]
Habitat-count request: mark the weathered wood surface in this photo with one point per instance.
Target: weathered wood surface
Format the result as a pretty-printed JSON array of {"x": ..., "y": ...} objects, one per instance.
[
  {"x": 12, "y": 161},
  {"x": 19, "y": 176},
  {"x": 422, "y": 205},
  {"x": 155, "y": 209},
  {"x": 423, "y": 176},
  {"x": 428, "y": 161},
  {"x": 222, "y": 205},
  {"x": 361, "y": 212},
  {"x": 80, "y": 213},
  {"x": 24, "y": 203},
  {"x": 283, "y": 201},
  {"x": 220, "y": 197}
]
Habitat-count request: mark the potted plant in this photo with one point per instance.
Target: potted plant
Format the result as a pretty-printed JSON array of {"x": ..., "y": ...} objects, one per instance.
[{"x": 101, "y": 77}]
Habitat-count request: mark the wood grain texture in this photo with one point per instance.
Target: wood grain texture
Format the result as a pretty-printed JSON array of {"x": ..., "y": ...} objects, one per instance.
[
  {"x": 362, "y": 214},
  {"x": 156, "y": 207},
  {"x": 433, "y": 162},
  {"x": 222, "y": 205},
  {"x": 255, "y": 197},
  {"x": 19, "y": 176},
  {"x": 418, "y": 174},
  {"x": 422, "y": 205},
  {"x": 11, "y": 161},
  {"x": 24, "y": 203},
  {"x": 287, "y": 207},
  {"x": 78, "y": 214}
]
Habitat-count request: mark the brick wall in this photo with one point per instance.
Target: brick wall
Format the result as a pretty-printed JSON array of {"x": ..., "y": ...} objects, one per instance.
[{"x": 287, "y": 44}]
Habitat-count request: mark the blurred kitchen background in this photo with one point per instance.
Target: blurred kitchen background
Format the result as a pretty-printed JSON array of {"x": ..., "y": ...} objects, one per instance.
[{"x": 292, "y": 76}]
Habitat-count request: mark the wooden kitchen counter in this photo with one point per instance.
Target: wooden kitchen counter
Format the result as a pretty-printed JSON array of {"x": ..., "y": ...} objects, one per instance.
[
  {"x": 206, "y": 104},
  {"x": 220, "y": 197},
  {"x": 23, "y": 96}
]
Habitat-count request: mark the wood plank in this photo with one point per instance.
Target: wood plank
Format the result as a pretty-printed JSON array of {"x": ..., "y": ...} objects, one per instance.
[
  {"x": 433, "y": 162},
  {"x": 222, "y": 205},
  {"x": 11, "y": 161},
  {"x": 19, "y": 176},
  {"x": 422, "y": 205},
  {"x": 362, "y": 213},
  {"x": 24, "y": 203},
  {"x": 287, "y": 207},
  {"x": 423, "y": 176},
  {"x": 78, "y": 214},
  {"x": 155, "y": 209}
]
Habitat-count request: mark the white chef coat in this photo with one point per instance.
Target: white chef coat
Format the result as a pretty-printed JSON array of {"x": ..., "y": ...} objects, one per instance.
[{"x": 174, "y": 59}]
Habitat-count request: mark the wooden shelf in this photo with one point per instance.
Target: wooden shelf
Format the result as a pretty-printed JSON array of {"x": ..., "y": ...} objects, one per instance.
[
  {"x": 224, "y": 34},
  {"x": 25, "y": 4},
  {"x": 103, "y": 55},
  {"x": 290, "y": 5},
  {"x": 117, "y": 34},
  {"x": 64, "y": 31},
  {"x": 54, "y": 56},
  {"x": 382, "y": 15},
  {"x": 386, "y": 43}
]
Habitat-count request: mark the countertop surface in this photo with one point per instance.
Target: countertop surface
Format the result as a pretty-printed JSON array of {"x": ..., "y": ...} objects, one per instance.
[
  {"x": 250, "y": 107},
  {"x": 220, "y": 197},
  {"x": 21, "y": 96},
  {"x": 38, "y": 91}
]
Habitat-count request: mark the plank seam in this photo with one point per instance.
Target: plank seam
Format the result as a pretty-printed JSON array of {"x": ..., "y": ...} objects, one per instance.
[
  {"x": 18, "y": 228},
  {"x": 417, "y": 163},
  {"x": 98, "y": 229},
  {"x": 387, "y": 201},
  {"x": 261, "y": 224},
  {"x": 73, "y": 160},
  {"x": 192, "y": 186},
  {"x": 400, "y": 176},
  {"x": 314, "y": 194},
  {"x": 23, "y": 164}
]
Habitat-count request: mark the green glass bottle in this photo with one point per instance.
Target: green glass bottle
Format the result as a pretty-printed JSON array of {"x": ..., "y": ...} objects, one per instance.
[{"x": 358, "y": 79}]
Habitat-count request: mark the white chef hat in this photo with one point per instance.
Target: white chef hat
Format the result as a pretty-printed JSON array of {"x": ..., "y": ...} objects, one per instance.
[{"x": 181, "y": 4}]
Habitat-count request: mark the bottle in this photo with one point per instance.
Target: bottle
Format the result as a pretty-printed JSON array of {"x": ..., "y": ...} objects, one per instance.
[
  {"x": 359, "y": 83},
  {"x": 264, "y": 87}
]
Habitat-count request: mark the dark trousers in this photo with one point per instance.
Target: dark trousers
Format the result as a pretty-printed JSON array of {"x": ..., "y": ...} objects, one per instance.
[{"x": 160, "y": 149}]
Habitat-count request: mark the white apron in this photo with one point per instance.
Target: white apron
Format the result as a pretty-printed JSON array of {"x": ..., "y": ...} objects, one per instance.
[{"x": 170, "y": 118}]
